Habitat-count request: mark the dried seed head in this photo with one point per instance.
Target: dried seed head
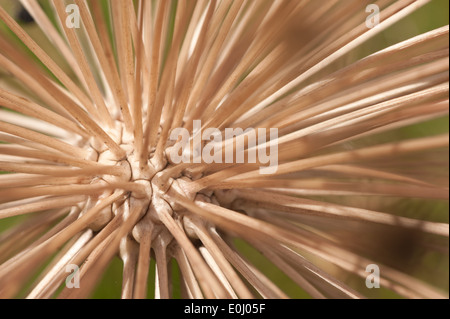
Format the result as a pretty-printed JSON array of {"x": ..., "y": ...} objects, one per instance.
[{"x": 89, "y": 146}]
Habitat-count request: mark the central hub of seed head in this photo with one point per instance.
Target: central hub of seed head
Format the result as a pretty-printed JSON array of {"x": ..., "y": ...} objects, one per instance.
[{"x": 146, "y": 184}]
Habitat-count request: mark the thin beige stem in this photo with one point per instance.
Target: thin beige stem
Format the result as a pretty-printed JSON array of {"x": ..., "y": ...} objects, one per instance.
[
  {"x": 27, "y": 107},
  {"x": 37, "y": 254},
  {"x": 104, "y": 116},
  {"x": 209, "y": 283},
  {"x": 232, "y": 277},
  {"x": 129, "y": 254},
  {"x": 267, "y": 291},
  {"x": 162, "y": 282},
  {"x": 47, "y": 156},
  {"x": 288, "y": 270},
  {"x": 339, "y": 52},
  {"x": 33, "y": 7},
  {"x": 40, "y": 53},
  {"x": 46, "y": 204},
  {"x": 61, "y": 171},
  {"x": 47, "y": 284},
  {"x": 151, "y": 127},
  {"x": 192, "y": 285},
  {"x": 106, "y": 57},
  {"x": 143, "y": 264},
  {"x": 64, "y": 190},
  {"x": 138, "y": 93},
  {"x": 43, "y": 139},
  {"x": 299, "y": 205},
  {"x": 21, "y": 180}
]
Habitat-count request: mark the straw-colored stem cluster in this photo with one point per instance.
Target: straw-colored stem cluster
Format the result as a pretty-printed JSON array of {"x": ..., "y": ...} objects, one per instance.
[{"x": 87, "y": 145}]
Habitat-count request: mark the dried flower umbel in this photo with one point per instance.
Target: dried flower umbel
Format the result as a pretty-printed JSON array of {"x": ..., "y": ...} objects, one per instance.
[{"x": 85, "y": 148}]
